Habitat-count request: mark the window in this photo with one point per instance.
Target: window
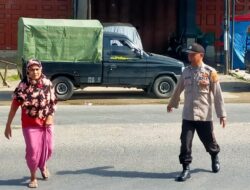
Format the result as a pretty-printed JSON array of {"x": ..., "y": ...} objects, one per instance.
[{"x": 122, "y": 49}]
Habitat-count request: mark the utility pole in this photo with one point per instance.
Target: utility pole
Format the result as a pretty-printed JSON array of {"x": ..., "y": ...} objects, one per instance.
[
  {"x": 232, "y": 35},
  {"x": 226, "y": 35},
  {"x": 89, "y": 9}
]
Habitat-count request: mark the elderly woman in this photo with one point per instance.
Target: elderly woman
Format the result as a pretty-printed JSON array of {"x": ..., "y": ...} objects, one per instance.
[{"x": 36, "y": 97}]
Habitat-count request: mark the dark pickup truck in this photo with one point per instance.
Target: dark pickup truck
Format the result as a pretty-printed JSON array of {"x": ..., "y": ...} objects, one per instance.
[{"x": 122, "y": 65}]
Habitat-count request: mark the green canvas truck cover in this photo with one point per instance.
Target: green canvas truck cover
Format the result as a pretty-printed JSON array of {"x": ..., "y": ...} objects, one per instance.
[{"x": 61, "y": 40}]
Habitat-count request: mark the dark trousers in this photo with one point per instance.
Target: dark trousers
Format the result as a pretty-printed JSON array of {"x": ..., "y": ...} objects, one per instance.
[{"x": 205, "y": 132}]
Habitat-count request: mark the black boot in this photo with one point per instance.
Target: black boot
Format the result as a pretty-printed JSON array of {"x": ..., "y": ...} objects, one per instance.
[
  {"x": 215, "y": 163},
  {"x": 185, "y": 174}
]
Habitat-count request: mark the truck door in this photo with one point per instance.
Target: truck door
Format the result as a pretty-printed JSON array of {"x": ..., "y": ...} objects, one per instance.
[{"x": 123, "y": 64}]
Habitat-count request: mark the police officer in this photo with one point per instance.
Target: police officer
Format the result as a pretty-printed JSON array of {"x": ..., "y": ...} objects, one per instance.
[{"x": 199, "y": 82}]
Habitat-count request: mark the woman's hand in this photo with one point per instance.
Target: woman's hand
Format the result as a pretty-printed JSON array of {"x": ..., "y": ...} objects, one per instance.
[
  {"x": 13, "y": 109},
  {"x": 8, "y": 131},
  {"x": 169, "y": 109},
  {"x": 49, "y": 120}
]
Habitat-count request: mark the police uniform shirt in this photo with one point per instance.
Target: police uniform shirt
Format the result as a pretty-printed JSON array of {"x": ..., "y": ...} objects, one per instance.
[{"x": 201, "y": 86}]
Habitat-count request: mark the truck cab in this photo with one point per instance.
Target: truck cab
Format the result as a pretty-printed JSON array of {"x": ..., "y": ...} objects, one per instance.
[{"x": 124, "y": 64}]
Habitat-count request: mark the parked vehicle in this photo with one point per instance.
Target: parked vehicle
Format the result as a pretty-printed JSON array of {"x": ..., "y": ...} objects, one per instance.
[{"x": 77, "y": 54}]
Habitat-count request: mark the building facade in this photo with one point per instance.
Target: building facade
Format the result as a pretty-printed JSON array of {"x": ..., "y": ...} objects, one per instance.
[
  {"x": 12, "y": 10},
  {"x": 156, "y": 20}
]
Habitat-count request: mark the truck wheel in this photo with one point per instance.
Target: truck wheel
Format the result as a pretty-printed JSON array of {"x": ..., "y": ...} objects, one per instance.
[
  {"x": 64, "y": 88},
  {"x": 163, "y": 87}
]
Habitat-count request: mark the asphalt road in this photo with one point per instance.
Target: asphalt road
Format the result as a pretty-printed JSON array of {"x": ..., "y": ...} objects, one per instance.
[{"x": 128, "y": 147}]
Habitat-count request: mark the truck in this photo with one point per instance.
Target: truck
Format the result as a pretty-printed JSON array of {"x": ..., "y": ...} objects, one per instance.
[{"x": 77, "y": 53}]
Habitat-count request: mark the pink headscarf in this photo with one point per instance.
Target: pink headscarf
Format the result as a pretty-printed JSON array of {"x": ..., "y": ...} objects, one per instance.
[{"x": 33, "y": 62}]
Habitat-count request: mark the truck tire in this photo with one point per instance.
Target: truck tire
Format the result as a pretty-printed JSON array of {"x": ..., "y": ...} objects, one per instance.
[
  {"x": 64, "y": 88},
  {"x": 163, "y": 87}
]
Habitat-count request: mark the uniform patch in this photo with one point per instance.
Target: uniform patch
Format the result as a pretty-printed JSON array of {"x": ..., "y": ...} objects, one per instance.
[
  {"x": 204, "y": 83},
  {"x": 204, "y": 74},
  {"x": 214, "y": 76},
  {"x": 203, "y": 79}
]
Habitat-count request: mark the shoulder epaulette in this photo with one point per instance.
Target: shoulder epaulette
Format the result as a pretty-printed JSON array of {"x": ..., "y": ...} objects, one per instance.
[{"x": 213, "y": 73}]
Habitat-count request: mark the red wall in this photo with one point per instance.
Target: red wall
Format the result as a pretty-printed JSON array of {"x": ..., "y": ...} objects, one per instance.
[
  {"x": 11, "y": 10},
  {"x": 210, "y": 14},
  {"x": 155, "y": 20}
]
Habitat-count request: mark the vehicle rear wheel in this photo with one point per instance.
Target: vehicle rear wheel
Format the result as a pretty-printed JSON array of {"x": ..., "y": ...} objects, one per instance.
[
  {"x": 64, "y": 88},
  {"x": 163, "y": 87}
]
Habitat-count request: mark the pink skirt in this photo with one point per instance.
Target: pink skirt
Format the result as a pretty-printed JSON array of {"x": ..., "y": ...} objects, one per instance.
[{"x": 39, "y": 146}]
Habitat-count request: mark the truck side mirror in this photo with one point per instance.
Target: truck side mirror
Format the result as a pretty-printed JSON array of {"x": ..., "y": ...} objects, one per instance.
[
  {"x": 141, "y": 53},
  {"x": 138, "y": 52}
]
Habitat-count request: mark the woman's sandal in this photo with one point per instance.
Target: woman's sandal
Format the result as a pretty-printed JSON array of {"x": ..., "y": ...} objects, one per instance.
[
  {"x": 33, "y": 184},
  {"x": 45, "y": 174}
]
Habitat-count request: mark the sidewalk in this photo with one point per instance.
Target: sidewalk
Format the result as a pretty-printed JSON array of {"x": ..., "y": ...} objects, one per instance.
[
  {"x": 240, "y": 74},
  {"x": 234, "y": 75},
  {"x": 235, "y": 87}
]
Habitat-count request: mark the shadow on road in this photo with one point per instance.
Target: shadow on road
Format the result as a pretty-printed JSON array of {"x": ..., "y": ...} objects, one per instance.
[
  {"x": 100, "y": 98},
  {"x": 129, "y": 94},
  {"x": 14, "y": 182},
  {"x": 105, "y": 172}
]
